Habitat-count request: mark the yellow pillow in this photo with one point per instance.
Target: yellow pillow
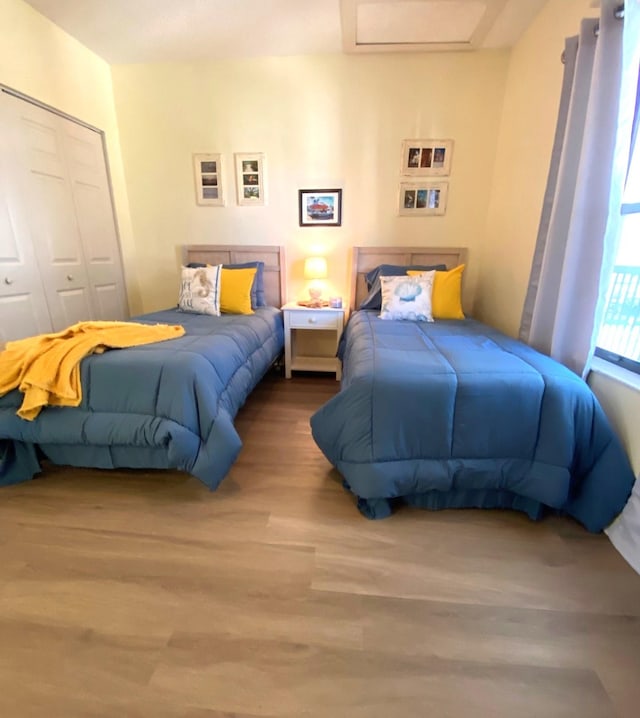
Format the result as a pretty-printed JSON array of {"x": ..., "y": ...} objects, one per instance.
[
  {"x": 446, "y": 302},
  {"x": 235, "y": 290}
]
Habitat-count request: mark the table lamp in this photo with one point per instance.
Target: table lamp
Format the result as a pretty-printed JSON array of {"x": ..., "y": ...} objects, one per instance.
[{"x": 315, "y": 268}]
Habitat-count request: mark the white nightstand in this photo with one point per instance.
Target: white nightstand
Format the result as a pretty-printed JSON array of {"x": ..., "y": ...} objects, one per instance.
[{"x": 311, "y": 339}]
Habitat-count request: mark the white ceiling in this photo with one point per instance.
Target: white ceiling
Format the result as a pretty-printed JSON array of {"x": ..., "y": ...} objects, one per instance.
[{"x": 131, "y": 31}]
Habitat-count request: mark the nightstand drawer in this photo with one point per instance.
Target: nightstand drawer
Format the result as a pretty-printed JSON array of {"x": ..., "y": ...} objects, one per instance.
[{"x": 307, "y": 319}]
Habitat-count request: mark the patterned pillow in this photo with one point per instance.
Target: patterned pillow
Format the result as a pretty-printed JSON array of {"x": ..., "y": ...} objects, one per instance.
[
  {"x": 374, "y": 299},
  {"x": 200, "y": 290},
  {"x": 407, "y": 297}
]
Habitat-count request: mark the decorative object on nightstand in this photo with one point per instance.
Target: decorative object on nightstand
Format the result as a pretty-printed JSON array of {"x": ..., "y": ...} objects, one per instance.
[
  {"x": 311, "y": 338},
  {"x": 315, "y": 269}
]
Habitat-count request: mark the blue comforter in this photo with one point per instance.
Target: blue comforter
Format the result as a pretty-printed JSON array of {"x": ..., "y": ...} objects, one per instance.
[
  {"x": 454, "y": 413},
  {"x": 164, "y": 405}
]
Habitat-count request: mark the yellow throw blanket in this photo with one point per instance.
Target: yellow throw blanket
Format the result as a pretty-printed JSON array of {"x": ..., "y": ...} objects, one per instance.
[{"x": 46, "y": 368}]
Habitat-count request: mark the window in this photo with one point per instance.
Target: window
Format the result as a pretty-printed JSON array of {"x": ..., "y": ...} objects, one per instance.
[{"x": 619, "y": 335}]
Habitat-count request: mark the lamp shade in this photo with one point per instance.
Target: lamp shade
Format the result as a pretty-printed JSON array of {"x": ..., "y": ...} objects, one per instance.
[{"x": 315, "y": 268}]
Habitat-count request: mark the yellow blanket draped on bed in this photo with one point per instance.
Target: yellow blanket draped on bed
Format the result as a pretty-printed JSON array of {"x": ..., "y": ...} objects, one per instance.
[{"x": 46, "y": 368}]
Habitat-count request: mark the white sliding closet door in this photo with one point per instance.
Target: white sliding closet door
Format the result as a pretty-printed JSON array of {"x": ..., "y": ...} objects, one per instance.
[
  {"x": 23, "y": 305},
  {"x": 96, "y": 225},
  {"x": 60, "y": 170},
  {"x": 52, "y": 217}
]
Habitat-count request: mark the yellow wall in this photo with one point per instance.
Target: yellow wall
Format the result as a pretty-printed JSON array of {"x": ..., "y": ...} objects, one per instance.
[
  {"x": 42, "y": 61},
  {"x": 526, "y": 136},
  {"x": 620, "y": 399},
  {"x": 323, "y": 122}
]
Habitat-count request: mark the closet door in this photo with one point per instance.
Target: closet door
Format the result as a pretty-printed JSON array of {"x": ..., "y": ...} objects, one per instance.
[
  {"x": 23, "y": 306},
  {"x": 52, "y": 220},
  {"x": 94, "y": 214},
  {"x": 65, "y": 195}
]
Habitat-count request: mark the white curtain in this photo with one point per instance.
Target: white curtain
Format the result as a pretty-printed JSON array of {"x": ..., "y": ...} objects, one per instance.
[{"x": 578, "y": 234}]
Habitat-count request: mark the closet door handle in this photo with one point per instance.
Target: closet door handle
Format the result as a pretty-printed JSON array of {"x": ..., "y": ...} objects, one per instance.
[
  {"x": 70, "y": 277},
  {"x": 8, "y": 281}
]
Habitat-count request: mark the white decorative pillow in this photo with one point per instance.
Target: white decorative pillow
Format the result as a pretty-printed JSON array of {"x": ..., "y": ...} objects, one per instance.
[
  {"x": 407, "y": 297},
  {"x": 200, "y": 290}
]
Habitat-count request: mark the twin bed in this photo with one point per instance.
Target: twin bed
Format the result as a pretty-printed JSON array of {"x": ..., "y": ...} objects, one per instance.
[
  {"x": 454, "y": 414},
  {"x": 448, "y": 414},
  {"x": 167, "y": 405}
]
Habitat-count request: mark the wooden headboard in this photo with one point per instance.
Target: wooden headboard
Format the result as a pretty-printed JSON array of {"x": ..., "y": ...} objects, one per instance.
[
  {"x": 364, "y": 259},
  {"x": 271, "y": 255}
]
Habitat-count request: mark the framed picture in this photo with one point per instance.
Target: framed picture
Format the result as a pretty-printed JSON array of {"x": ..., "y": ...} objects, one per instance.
[
  {"x": 420, "y": 199},
  {"x": 424, "y": 158},
  {"x": 318, "y": 207},
  {"x": 208, "y": 178},
  {"x": 250, "y": 183}
]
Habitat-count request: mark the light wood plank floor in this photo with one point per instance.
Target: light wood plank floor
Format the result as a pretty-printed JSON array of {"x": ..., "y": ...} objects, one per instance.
[{"x": 143, "y": 595}]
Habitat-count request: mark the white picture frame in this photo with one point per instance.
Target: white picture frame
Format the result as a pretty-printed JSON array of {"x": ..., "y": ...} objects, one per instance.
[
  {"x": 207, "y": 169},
  {"x": 426, "y": 158},
  {"x": 423, "y": 199},
  {"x": 250, "y": 178}
]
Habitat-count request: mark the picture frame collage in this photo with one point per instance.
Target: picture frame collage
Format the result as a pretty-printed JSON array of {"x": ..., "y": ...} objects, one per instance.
[
  {"x": 208, "y": 179},
  {"x": 250, "y": 179},
  {"x": 424, "y": 162},
  {"x": 250, "y": 184},
  {"x": 423, "y": 190},
  {"x": 316, "y": 207}
]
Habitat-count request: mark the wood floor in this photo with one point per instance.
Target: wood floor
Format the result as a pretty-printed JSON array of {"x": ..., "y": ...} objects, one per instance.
[{"x": 143, "y": 595}]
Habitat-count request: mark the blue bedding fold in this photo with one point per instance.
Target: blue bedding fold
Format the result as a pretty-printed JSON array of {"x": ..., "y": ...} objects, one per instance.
[
  {"x": 436, "y": 412},
  {"x": 163, "y": 405}
]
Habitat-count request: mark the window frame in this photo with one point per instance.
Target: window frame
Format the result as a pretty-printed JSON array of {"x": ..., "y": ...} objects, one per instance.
[
  {"x": 627, "y": 208},
  {"x": 618, "y": 359}
]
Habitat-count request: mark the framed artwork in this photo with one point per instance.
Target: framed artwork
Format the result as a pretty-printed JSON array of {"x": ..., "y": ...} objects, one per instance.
[
  {"x": 250, "y": 182},
  {"x": 426, "y": 158},
  {"x": 420, "y": 199},
  {"x": 208, "y": 178},
  {"x": 320, "y": 207}
]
